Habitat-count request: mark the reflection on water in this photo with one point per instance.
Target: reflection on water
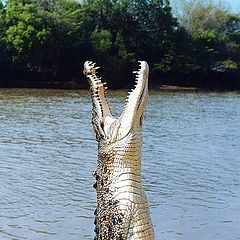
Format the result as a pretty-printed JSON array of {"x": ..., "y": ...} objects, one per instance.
[{"x": 190, "y": 164}]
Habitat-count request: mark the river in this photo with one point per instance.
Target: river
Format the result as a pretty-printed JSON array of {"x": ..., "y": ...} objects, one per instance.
[{"x": 190, "y": 168}]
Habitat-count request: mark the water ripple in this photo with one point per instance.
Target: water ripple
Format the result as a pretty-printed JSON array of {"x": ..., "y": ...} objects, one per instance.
[{"x": 190, "y": 164}]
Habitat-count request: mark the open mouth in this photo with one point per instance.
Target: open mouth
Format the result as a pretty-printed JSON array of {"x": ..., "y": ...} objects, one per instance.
[{"x": 135, "y": 103}]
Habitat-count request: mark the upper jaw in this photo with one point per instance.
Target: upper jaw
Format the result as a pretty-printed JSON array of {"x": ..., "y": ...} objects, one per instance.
[
  {"x": 134, "y": 107},
  {"x": 132, "y": 114}
]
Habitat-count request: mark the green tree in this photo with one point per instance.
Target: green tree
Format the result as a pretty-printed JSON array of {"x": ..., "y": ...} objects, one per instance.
[
  {"x": 101, "y": 40},
  {"x": 154, "y": 29},
  {"x": 39, "y": 34},
  {"x": 64, "y": 45},
  {"x": 198, "y": 16},
  {"x": 126, "y": 30},
  {"x": 25, "y": 33},
  {"x": 209, "y": 25},
  {"x": 2, "y": 30},
  {"x": 107, "y": 31},
  {"x": 232, "y": 40},
  {"x": 55, "y": 37}
]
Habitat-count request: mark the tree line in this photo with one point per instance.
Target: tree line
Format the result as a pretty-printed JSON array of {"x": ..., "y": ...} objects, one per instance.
[{"x": 47, "y": 41}]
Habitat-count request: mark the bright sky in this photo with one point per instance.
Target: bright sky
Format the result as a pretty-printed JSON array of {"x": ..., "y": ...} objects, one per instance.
[{"x": 234, "y": 5}]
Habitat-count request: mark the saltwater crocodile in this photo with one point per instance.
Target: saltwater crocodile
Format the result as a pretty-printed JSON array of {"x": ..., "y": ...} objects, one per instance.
[{"x": 122, "y": 211}]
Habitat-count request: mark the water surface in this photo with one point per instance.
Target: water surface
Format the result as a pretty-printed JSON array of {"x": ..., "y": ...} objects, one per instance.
[{"x": 191, "y": 164}]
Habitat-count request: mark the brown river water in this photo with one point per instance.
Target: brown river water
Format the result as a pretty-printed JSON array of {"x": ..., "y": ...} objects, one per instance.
[{"x": 190, "y": 168}]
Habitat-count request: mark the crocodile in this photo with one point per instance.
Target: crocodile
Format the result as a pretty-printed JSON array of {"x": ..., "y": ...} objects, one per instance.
[{"x": 122, "y": 211}]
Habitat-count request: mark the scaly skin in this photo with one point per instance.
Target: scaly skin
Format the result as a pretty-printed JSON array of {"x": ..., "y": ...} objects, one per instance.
[{"x": 122, "y": 209}]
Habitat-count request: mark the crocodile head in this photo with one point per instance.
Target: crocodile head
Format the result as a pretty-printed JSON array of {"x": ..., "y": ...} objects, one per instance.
[{"x": 105, "y": 125}]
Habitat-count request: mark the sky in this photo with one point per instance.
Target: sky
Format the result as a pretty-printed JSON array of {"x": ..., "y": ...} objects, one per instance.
[{"x": 233, "y": 5}]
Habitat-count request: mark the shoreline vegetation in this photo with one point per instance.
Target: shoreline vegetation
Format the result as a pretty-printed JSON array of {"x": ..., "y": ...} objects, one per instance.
[{"x": 44, "y": 43}]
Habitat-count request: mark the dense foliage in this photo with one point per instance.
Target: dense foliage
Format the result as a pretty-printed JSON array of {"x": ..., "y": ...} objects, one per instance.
[
  {"x": 215, "y": 34},
  {"x": 54, "y": 37}
]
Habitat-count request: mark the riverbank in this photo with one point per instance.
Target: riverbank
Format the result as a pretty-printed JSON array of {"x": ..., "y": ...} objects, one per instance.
[
  {"x": 171, "y": 81},
  {"x": 198, "y": 80}
]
